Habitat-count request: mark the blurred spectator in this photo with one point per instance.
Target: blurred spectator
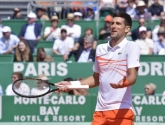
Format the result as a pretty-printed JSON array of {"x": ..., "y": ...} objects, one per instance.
[
  {"x": 155, "y": 31},
  {"x": 42, "y": 56},
  {"x": 41, "y": 14},
  {"x": 77, "y": 16},
  {"x": 42, "y": 87},
  {"x": 8, "y": 42},
  {"x": 1, "y": 91},
  {"x": 22, "y": 53},
  {"x": 141, "y": 13},
  {"x": 145, "y": 44},
  {"x": 90, "y": 15},
  {"x": 155, "y": 9},
  {"x": 73, "y": 30},
  {"x": 1, "y": 27},
  {"x": 88, "y": 32},
  {"x": 52, "y": 33},
  {"x": 135, "y": 33},
  {"x": 122, "y": 5},
  {"x": 16, "y": 14},
  {"x": 131, "y": 8},
  {"x": 159, "y": 46},
  {"x": 86, "y": 53},
  {"x": 105, "y": 31},
  {"x": 31, "y": 31},
  {"x": 22, "y": 87},
  {"x": 63, "y": 45},
  {"x": 150, "y": 89}
]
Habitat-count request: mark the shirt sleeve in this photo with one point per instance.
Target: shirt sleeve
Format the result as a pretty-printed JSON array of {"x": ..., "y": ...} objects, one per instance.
[
  {"x": 133, "y": 56},
  {"x": 47, "y": 31}
]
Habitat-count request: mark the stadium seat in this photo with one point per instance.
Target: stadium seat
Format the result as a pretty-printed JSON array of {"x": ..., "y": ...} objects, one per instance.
[{"x": 6, "y": 58}]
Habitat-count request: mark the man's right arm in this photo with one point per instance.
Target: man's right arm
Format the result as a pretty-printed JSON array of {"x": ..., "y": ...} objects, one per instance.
[{"x": 92, "y": 81}]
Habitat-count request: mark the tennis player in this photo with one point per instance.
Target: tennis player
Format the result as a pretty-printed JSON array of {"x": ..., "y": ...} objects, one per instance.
[{"x": 115, "y": 71}]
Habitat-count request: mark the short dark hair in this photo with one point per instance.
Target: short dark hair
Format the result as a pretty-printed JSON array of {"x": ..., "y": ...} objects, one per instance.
[
  {"x": 126, "y": 17},
  {"x": 18, "y": 74},
  {"x": 63, "y": 30},
  {"x": 89, "y": 29}
]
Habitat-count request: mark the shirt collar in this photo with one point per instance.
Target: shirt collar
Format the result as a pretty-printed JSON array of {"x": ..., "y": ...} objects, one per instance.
[
  {"x": 31, "y": 24},
  {"x": 120, "y": 45},
  {"x": 87, "y": 50}
]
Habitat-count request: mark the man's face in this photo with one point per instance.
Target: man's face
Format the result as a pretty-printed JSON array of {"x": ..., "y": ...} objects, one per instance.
[
  {"x": 87, "y": 44},
  {"x": 63, "y": 34},
  {"x": 6, "y": 35},
  {"x": 54, "y": 23},
  {"x": 14, "y": 78},
  {"x": 70, "y": 22},
  {"x": 31, "y": 20},
  {"x": 143, "y": 34},
  {"x": 118, "y": 28},
  {"x": 88, "y": 33},
  {"x": 142, "y": 22}
]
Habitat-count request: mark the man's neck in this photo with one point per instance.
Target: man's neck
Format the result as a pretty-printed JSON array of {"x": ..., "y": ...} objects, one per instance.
[{"x": 115, "y": 42}]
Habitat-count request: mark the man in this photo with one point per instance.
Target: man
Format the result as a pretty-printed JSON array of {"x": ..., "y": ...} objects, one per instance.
[
  {"x": 145, "y": 44},
  {"x": 135, "y": 33},
  {"x": 85, "y": 53},
  {"x": 115, "y": 71},
  {"x": 159, "y": 45},
  {"x": 63, "y": 45},
  {"x": 8, "y": 42},
  {"x": 22, "y": 87},
  {"x": 52, "y": 33},
  {"x": 16, "y": 14},
  {"x": 80, "y": 43},
  {"x": 155, "y": 9},
  {"x": 31, "y": 31},
  {"x": 142, "y": 13},
  {"x": 89, "y": 14},
  {"x": 41, "y": 14},
  {"x": 105, "y": 31},
  {"x": 77, "y": 16},
  {"x": 73, "y": 30}
]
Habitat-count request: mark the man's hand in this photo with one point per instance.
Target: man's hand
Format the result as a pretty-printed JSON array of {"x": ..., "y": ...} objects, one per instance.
[
  {"x": 63, "y": 86},
  {"x": 38, "y": 38},
  {"x": 119, "y": 84}
]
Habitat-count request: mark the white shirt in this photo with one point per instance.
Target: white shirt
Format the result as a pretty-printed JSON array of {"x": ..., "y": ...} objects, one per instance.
[
  {"x": 84, "y": 55},
  {"x": 75, "y": 29},
  {"x": 62, "y": 46},
  {"x": 23, "y": 89},
  {"x": 145, "y": 45},
  {"x": 29, "y": 34},
  {"x": 112, "y": 64},
  {"x": 7, "y": 44},
  {"x": 155, "y": 33},
  {"x": 36, "y": 91},
  {"x": 54, "y": 35}
]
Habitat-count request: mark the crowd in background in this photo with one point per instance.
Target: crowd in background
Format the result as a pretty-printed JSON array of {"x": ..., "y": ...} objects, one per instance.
[{"x": 69, "y": 39}]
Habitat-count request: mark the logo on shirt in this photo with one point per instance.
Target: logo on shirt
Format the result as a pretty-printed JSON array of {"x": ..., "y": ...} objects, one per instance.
[{"x": 119, "y": 53}]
